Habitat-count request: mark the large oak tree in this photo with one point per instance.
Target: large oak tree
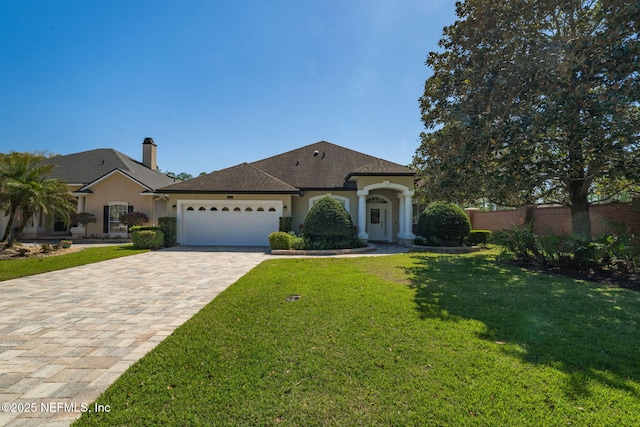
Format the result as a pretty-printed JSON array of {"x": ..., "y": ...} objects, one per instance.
[{"x": 534, "y": 101}]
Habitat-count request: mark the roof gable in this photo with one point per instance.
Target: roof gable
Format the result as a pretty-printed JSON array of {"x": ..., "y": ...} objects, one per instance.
[
  {"x": 325, "y": 165},
  {"x": 243, "y": 178},
  {"x": 382, "y": 167},
  {"x": 87, "y": 188},
  {"x": 88, "y": 166}
]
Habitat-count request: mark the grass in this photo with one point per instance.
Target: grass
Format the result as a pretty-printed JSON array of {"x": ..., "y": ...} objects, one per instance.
[
  {"x": 14, "y": 268},
  {"x": 404, "y": 340}
]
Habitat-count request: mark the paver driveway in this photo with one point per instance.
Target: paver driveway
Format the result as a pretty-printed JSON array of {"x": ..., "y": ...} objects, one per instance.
[{"x": 65, "y": 336}]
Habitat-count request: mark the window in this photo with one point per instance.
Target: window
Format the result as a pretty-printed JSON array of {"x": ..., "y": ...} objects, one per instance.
[
  {"x": 237, "y": 209},
  {"x": 190, "y": 208},
  {"x": 213, "y": 209},
  {"x": 202, "y": 208},
  {"x": 376, "y": 199},
  {"x": 248, "y": 210},
  {"x": 344, "y": 201},
  {"x": 59, "y": 224},
  {"x": 260, "y": 209},
  {"x": 375, "y": 216},
  {"x": 115, "y": 212}
]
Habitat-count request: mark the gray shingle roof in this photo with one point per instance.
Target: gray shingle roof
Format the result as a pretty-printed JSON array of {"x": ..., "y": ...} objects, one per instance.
[
  {"x": 88, "y": 166},
  {"x": 243, "y": 178},
  {"x": 382, "y": 167},
  {"x": 325, "y": 165},
  {"x": 321, "y": 165}
]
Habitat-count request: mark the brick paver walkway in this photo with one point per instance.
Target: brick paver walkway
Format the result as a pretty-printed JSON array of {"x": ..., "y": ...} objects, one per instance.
[{"x": 65, "y": 336}]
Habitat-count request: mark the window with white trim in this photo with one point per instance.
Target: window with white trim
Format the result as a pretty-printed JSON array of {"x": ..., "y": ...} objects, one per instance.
[
  {"x": 115, "y": 212},
  {"x": 344, "y": 201}
]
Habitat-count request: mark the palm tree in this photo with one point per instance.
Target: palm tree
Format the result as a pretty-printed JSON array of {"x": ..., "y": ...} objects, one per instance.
[{"x": 25, "y": 187}]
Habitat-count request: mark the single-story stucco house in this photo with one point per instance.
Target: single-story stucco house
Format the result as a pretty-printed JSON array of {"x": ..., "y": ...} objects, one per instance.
[
  {"x": 241, "y": 205},
  {"x": 237, "y": 206},
  {"x": 107, "y": 183}
]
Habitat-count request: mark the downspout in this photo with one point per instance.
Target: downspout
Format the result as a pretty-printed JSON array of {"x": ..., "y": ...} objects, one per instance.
[{"x": 155, "y": 198}]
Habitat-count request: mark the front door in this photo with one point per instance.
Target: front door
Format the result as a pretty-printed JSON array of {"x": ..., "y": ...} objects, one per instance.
[{"x": 379, "y": 220}]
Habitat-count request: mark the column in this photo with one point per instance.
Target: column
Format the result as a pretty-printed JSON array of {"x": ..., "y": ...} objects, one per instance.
[
  {"x": 362, "y": 214},
  {"x": 401, "y": 219},
  {"x": 79, "y": 230},
  {"x": 408, "y": 215}
]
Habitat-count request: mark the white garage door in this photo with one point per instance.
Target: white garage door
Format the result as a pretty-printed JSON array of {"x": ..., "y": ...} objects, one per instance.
[{"x": 228, "y": 223}]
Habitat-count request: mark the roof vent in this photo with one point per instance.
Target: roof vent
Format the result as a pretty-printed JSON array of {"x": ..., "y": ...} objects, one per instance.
[{"x": 315, "y": 153}]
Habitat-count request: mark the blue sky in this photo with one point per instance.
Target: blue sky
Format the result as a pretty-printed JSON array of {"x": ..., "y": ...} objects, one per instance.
[{"x": 215, "y": 83}]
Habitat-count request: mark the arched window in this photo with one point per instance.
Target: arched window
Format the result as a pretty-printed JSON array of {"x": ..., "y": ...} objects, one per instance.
[
  {"x": 248, "y": 210},
  {"x": 344, "y": 201},
  {"x": 190, "y": 208},
  {"x": 213, "y": 209},
  {"x": 376, "y": 199},
  {"x": 237, "y": 209},
  {"x": 260, "y": 209},
  {"x": 225, "y": 209},
  {"x": 272, "y": 209},
  {"x": 202, "y": 208}
]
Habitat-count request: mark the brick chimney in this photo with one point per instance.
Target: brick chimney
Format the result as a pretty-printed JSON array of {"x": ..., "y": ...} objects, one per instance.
[{"x": 149, "y": 154}]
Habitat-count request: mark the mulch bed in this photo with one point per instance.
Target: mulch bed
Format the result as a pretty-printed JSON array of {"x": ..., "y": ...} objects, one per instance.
[
  {"x": 611, "y": 278},
  {"x": 32, "y": 250}
]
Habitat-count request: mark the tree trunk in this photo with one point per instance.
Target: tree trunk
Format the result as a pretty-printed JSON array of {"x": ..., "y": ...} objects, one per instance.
[
  {"x": 580, "y": 220},
  {"x": 21, "y": 227},
  {"x": 7, "y": 230}
]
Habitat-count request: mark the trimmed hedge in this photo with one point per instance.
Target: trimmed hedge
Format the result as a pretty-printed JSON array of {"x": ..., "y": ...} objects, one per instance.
[
  {"x": 280, "y": 240},
  {"x": 147, "y": 239},
  {"x": 297, "y": 243},
  {"x": 479, "y": 237},
  {"x": 135, "y": 228},
  {"x": 285, "y": 224},
  {"x": 169, "y": 227},
  {"x": 444, "y": 224}
]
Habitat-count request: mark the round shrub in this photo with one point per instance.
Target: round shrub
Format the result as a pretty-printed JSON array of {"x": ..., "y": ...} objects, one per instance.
[
  {"x": 444, "y": 223},
  {"x": 280, "y": 240},
  {"x": 147, "y": 239},
  {"x": 297, "y": 242},
  {"x": 328, "y": 224}
]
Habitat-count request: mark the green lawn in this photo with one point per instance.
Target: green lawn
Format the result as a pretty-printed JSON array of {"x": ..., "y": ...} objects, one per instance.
[
  {"x": 13, "y": 268},
  {"x": 404, "y": 340}
]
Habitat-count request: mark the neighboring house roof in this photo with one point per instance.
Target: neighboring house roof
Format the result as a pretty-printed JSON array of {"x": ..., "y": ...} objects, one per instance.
[
  {"x": 89, "y": 166},
  {"x": 321, "y": 165}
]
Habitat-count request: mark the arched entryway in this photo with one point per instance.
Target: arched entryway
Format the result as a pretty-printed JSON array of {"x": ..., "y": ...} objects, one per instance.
[{"x": 404, "y": 209}]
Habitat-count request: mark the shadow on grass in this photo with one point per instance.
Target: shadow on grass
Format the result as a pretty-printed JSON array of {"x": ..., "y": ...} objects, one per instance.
[{"x": 584, "y": 329}]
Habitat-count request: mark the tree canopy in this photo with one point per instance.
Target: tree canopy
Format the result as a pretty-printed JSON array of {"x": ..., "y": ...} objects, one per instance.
[
  {"x": 25, "y": 188},
  {"x": 534, "y": 101}
]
